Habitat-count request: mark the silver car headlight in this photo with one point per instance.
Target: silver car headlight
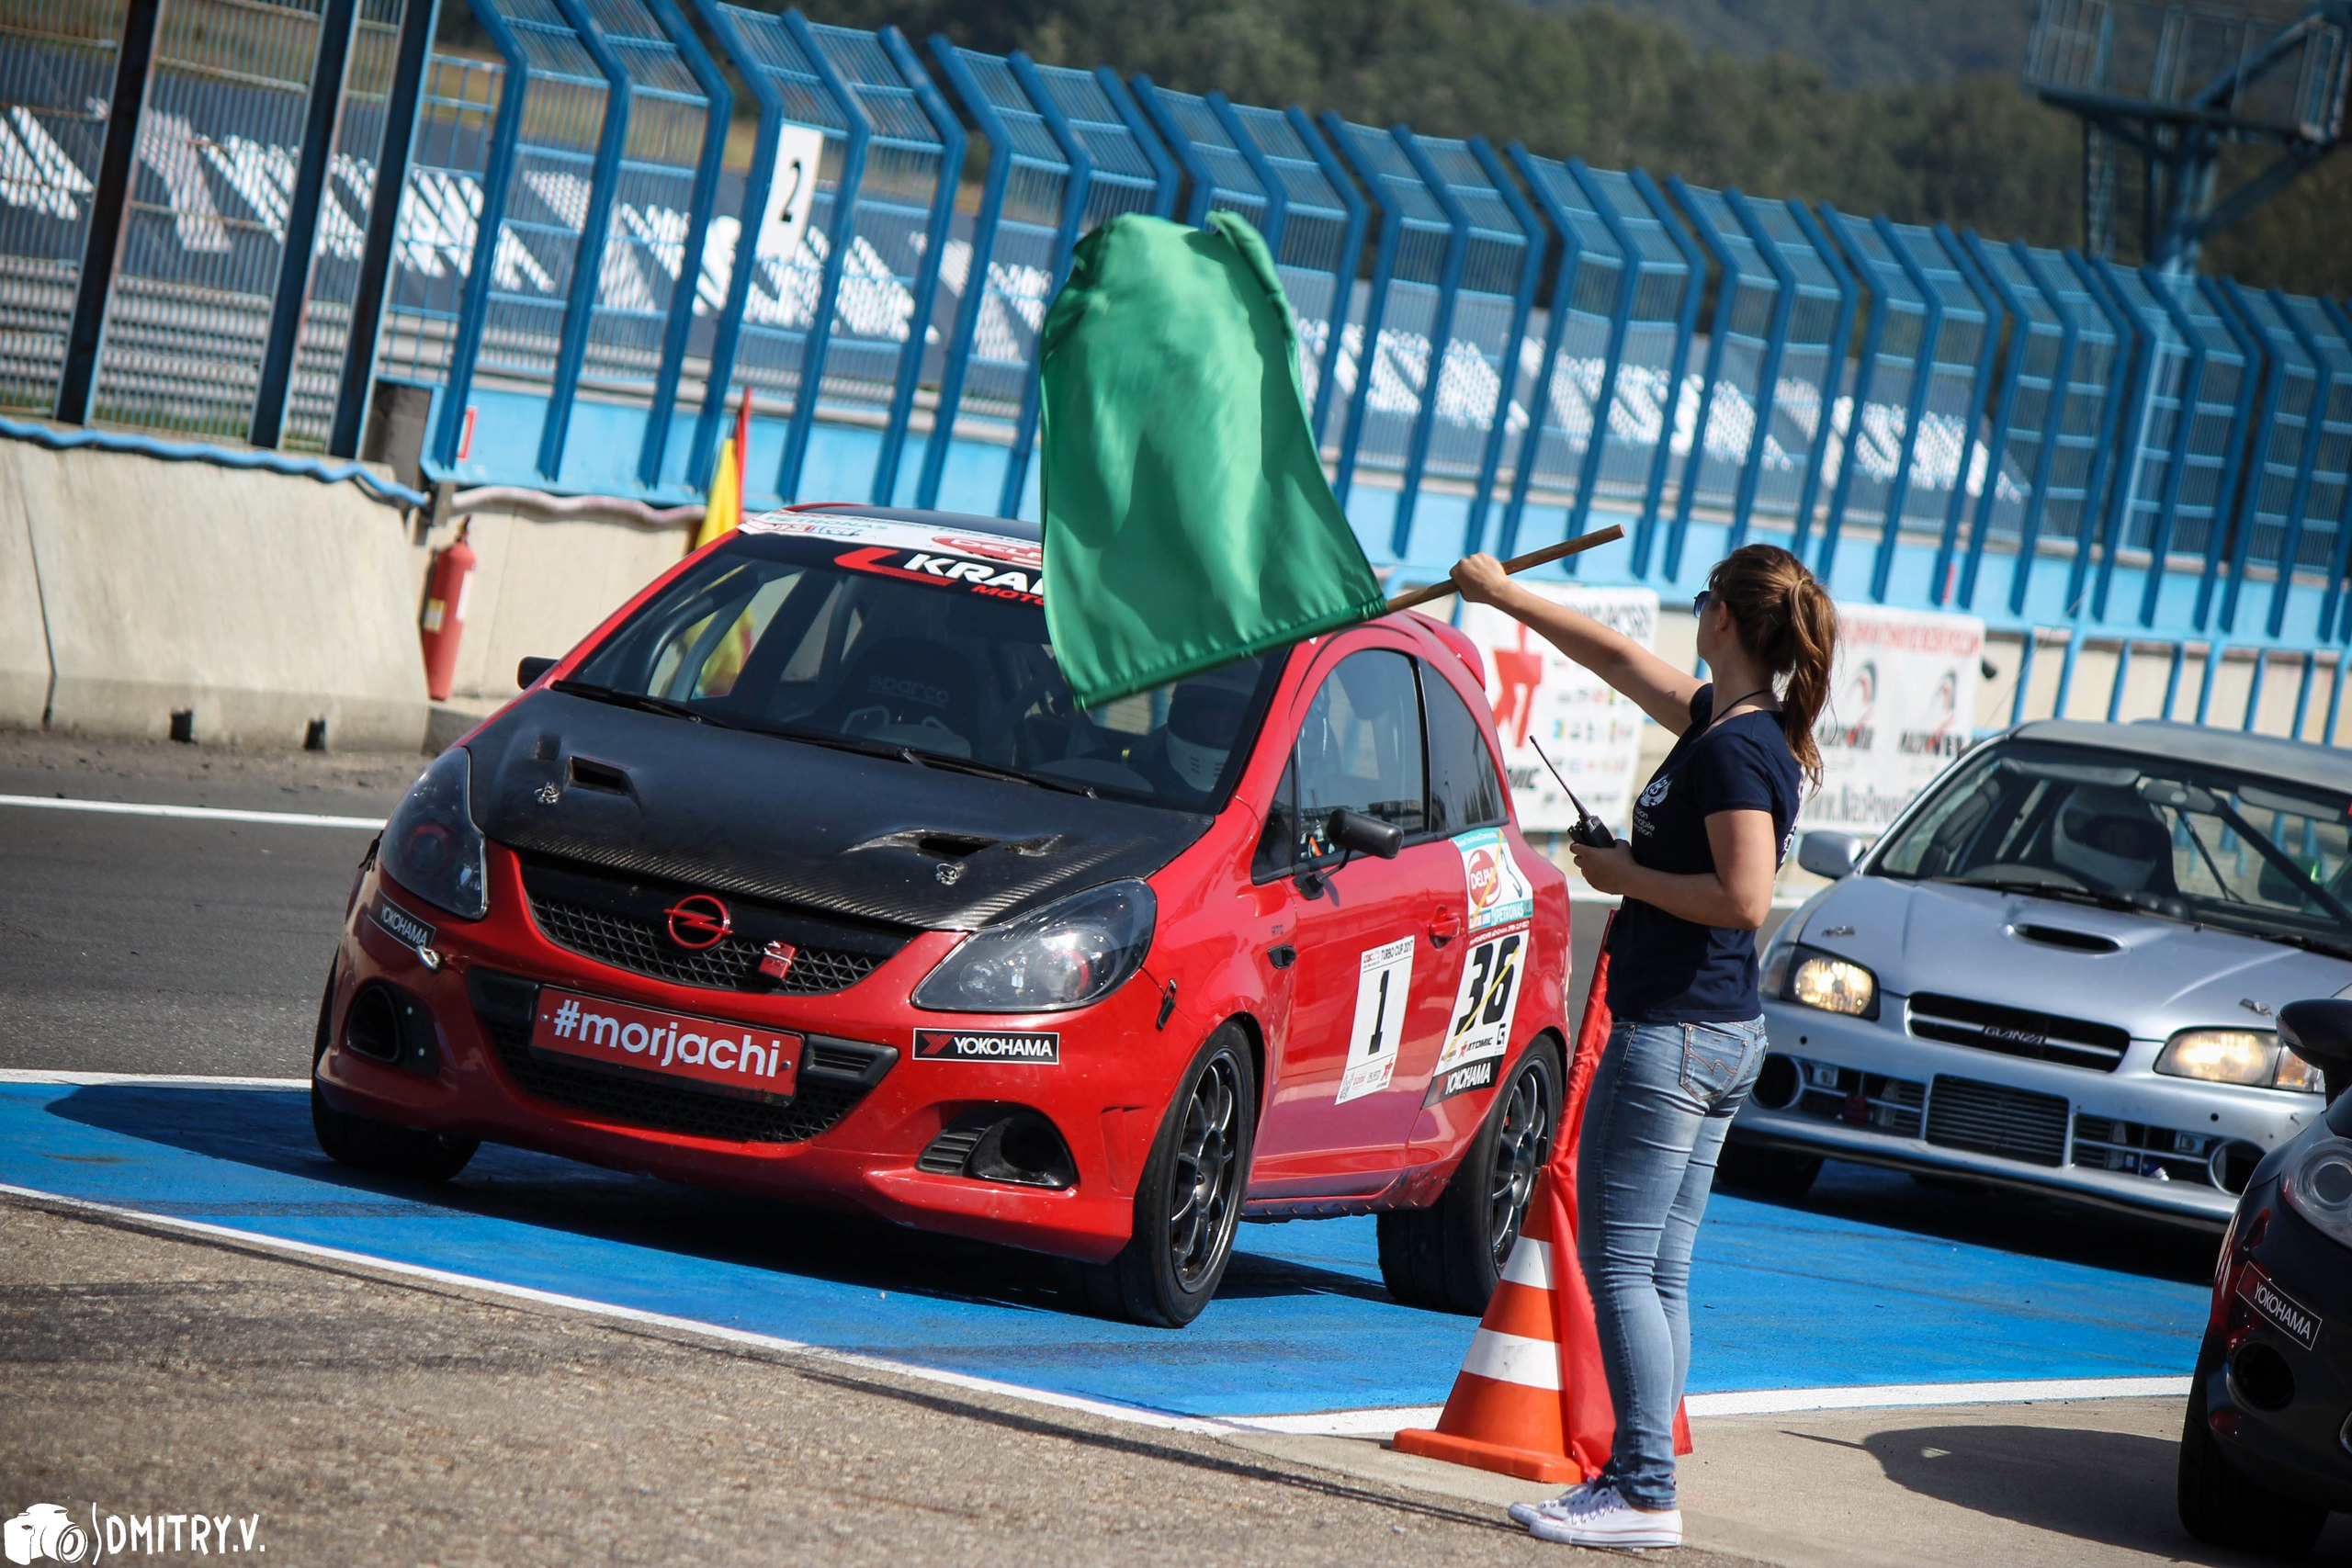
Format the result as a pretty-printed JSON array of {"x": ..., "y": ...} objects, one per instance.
[
  {"x": 2319, "y": 1186},
  {"x": 431, "y": 845},
  {"x": 1074, "y": 951},
  {"x": 1810, "y": 978},
  {"x": 2250, "y": 1056}
]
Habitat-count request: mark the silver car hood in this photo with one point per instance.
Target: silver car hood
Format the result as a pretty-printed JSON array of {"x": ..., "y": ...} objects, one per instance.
[{"x": 1965, "y": 941}]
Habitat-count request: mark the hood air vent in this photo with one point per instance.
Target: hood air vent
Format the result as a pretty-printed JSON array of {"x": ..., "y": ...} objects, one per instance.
[{"x": 2060, "y": 936}]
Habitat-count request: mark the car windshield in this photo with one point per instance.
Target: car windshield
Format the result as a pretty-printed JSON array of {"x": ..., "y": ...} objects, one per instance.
[
  {"x": 2266, "y": 856},
  {"x": 921, "y": 643}
]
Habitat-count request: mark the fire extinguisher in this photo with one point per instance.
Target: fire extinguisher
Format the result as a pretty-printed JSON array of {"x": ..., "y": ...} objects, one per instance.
[{"x": 444, "y": 621}]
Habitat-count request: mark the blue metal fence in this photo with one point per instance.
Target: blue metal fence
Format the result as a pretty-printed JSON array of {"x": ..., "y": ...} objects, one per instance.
[{"x": 585, "y": 281}]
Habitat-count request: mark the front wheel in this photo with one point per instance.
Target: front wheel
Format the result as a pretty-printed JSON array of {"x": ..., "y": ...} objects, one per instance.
[
  {"x": 1189, "y": 1201},
  {"x": 1449, "y": 1255},
  {"x": 2220, "y": 1504}
]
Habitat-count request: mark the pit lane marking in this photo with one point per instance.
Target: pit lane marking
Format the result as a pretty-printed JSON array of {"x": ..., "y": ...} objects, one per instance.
[{"x": 194, "y": 813}]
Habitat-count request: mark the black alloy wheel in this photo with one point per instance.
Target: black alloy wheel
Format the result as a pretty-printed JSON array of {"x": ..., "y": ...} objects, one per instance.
[
  {"x": 1522, "y": 1142},
  {"x": 1188, "y": 1204},
  {"x": 1449, "y": 1255}
]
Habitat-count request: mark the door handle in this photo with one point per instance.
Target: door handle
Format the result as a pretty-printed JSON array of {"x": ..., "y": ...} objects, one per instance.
[
  {"x": 1445, "y": 925},
  {"x": 1282, "y": 955}
]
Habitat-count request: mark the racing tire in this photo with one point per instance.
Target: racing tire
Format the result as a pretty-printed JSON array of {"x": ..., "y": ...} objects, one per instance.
[
  {"x": 1777, "y": 1173},
  {"x": 2222, "y": 1504},
  {"x": 1449, "y": 1255},
  {"x": 377, "y": 1147},
  {"x": 1188, "y": 1204}
]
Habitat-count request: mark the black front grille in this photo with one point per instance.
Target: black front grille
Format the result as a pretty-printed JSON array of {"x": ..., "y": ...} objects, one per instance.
[
  {"x": 834, "y": 1075},
  {"x": 1863, "y": 1100},
  {"x": 1991, "y": 1119},
  {"x": 2018, "y": 1032},
  {"x": 622, "y": 923}
]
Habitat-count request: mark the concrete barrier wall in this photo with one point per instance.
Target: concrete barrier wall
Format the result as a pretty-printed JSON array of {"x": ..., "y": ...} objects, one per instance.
[
  {"x": 24, "y": 636},
  {"x": 256, "y": 604}
]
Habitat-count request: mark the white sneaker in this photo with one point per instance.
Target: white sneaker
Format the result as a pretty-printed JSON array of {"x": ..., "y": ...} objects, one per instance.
[
  {"x": 1556, "y": 1507},
  {"x": 1601, "y": 1517}
]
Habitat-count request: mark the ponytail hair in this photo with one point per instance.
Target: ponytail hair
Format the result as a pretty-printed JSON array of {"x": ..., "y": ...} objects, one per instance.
[{"x": 1782, "y": 616}]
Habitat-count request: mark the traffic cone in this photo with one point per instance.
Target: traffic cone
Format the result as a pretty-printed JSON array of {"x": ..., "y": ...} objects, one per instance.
[{"x": 1505, "y": 1412}]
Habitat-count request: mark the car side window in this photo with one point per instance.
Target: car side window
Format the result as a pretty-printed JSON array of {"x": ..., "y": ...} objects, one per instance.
[
  {"x": 1464, "y": 791},
  {"x": 1361, "y": 748}
]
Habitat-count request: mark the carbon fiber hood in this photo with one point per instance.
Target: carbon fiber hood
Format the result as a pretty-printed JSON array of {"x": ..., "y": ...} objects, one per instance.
[{"x": 755, "y": 815}]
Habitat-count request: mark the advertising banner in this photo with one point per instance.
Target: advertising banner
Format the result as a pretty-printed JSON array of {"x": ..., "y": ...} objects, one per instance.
[
  {"x": 1592, "y": 734},
  {"x": 1901, "y": 705}
]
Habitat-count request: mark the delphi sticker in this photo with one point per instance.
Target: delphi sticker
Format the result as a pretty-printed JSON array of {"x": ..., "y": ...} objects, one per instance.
[{"x": 988, "y": 1045}]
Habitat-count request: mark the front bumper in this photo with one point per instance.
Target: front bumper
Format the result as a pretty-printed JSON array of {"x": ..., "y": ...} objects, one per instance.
[
  {"x": 1870, "y": 1094},
  {"x": 2296, "y": 1445},
  {"x": 1102, "y": 1097}
]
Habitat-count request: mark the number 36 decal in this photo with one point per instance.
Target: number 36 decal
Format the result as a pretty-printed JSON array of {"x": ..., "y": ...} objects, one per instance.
[{"x": 1480, "y": 1025}]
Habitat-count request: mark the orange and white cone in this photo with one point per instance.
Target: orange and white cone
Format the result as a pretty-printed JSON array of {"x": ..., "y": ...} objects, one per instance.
[{"x": 1505, "y": 1412}]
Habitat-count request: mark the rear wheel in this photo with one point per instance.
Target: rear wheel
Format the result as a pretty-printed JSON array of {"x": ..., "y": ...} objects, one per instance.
[
  {"x": 377, "y": 1147},
  {"x": 1776, "y": 1172},
  {"x": 1189, "y": 1201},
  {"x": 2219, "y": 1503},
  {"x": 1449, "y": 1255}
]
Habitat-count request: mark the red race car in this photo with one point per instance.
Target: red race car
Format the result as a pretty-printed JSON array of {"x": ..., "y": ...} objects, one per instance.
[{"x": 803, "y": 875}]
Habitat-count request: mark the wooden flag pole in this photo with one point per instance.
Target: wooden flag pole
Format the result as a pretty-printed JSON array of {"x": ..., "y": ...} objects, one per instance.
[{"x": 1516, "y": 565}]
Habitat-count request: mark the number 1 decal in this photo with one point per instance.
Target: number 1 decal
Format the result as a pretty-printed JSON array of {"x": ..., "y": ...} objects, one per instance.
[{"x": 1371, "y": 1056}]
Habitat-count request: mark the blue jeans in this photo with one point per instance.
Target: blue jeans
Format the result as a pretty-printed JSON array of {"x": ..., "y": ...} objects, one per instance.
[{"x": 1662, "y": 1099}]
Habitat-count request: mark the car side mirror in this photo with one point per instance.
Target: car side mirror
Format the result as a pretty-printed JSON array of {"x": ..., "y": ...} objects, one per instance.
[
  {"x": 2320, "y": 1032},
  {"x": 1360, "y": 834},
  {"x": 531, "y": 668},
  {"x": 1829, "y": 854}
]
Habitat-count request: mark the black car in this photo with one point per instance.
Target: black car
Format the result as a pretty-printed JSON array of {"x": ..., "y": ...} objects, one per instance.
[{"x": 2266, "y": 1453}]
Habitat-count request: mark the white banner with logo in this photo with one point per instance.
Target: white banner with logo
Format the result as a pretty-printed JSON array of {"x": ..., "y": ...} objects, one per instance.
[
  {"x": 1592, "y": 734},
  {"x": 1901, "y": 705}
]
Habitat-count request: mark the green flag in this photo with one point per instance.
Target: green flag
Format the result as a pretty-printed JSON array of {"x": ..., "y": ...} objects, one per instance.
[{"x": 1188, "y": 522}]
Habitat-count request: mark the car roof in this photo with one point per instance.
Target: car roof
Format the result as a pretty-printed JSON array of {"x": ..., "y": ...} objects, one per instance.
[
  {"x": 2170, "y": 740},
  {"x": 963, "y": 521}
]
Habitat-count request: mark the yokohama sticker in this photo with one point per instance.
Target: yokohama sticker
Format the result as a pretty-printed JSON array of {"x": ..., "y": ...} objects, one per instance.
[
  {"x": 403, "y": 927},
  {"x": 1384, "y": 990},
  {"x": 1499, "y": 893},
  {"x": 1461, "y": 1080},
  {"x": 988, "y": 1045},
  {"x": 2281, "y": 1309},
  {"x": 1480, "y": 1026}
]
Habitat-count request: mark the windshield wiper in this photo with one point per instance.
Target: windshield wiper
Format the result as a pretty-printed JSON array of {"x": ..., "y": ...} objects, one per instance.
[
  {"x": 992, "y": 771},
  {"x": 2038, "y": 888},
  {"x": 645, "y": 701}
]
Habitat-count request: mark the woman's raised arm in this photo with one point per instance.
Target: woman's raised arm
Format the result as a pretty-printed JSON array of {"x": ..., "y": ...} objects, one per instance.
[{"x": 1662, "y": 692}]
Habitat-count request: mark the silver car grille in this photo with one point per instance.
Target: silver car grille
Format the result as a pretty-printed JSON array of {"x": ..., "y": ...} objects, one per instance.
[
  {"x": 1992, "y": 1119},
  {"x": 2018, "y": 1032}
]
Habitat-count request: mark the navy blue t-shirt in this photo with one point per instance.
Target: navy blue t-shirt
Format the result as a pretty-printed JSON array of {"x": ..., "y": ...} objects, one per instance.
[{"x": 1664, "y": 969}]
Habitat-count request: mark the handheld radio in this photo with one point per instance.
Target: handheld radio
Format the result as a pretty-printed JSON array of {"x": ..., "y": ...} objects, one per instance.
[{"x": 1590, "y": 830}]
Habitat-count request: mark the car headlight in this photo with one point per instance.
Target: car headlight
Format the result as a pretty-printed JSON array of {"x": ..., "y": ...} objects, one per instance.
[
  {"x": 1824, "y": 980},
  {"x": 431, "y": 845},
  {"x": 1074, "y": 951},
  {"x": 2251, "y": 1057},
  {"x": 2319, "y": 1188}
]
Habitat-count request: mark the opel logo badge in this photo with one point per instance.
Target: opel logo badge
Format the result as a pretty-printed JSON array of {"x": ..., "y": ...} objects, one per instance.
[{"x": 698, "y": 921}]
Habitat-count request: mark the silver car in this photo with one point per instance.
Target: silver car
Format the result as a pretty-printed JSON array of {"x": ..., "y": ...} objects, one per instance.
[{"x": 2059, "y": 970}]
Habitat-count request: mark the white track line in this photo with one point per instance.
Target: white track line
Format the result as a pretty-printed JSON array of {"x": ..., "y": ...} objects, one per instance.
[
  {"x": 50, "y": 1075},
  {"x": 196, "y": 813}
]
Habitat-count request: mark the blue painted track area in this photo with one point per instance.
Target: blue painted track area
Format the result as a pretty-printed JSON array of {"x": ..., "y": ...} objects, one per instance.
[{"x": 1873, "y": 1279}]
